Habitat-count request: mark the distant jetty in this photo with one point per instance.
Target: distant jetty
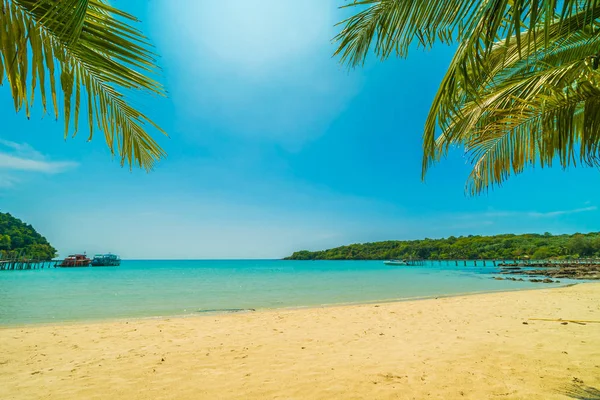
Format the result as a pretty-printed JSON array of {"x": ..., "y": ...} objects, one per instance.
[
  {"x": 26, "y": 264},
  {"x": 17, "y": 263}
]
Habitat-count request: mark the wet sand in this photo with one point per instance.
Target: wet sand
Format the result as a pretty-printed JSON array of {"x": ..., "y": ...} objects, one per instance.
[{"x": 469, "y": 347}]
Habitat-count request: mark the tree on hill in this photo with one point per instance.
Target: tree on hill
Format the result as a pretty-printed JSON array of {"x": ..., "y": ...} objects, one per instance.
[
  {"x": 18, "y": 239},
  {"x": 532, "y": 246}
]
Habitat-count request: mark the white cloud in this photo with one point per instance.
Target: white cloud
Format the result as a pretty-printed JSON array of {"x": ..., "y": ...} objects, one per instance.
[
  {"x": 20, "y": 150},
  {"x": 8, "y": 162},
  {"x": 524, "y": 214},
  {"x": 562, "y": 212},
  {"x": 21, "y": 157},
  {"x": 7, "y": 181}
]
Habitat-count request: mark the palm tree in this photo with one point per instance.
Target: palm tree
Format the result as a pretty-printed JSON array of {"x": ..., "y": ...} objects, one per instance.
[
  {"x": 81, "y": 48},
  {"x": 522, "y": 89}
]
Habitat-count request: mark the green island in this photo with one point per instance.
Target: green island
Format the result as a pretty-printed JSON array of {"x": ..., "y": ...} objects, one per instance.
[
  {"x": 506, "y": 246},
  {"x": 21, "y": 240}
]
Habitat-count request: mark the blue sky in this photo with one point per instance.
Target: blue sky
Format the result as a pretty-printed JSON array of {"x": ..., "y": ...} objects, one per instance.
[{"x": 273, "y": 147}]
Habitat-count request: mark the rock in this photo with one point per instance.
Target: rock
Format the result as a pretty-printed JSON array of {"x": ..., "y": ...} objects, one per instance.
[
  {"x": 547, "y": 280},
  {"x": 535, "y": 280},
  {"x": 498, "y": 278}
]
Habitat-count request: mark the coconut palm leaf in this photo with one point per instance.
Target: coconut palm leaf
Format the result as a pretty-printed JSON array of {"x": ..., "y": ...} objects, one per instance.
[
  {"x": 521, "y": 89},
  {"x": 466, "y": 76},
  {"x": 75, "y": 49},
  {"x": 392, "y": 26},
  {"x": 529, "y": 110}
]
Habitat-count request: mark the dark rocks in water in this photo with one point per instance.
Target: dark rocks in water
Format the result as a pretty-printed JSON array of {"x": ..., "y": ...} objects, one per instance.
[
  {"x": 547, "y": 280},
  {"x": 510, "y": 278},
  {"x": 564, "y": 271},
  {"x": 535, "y": 280}
]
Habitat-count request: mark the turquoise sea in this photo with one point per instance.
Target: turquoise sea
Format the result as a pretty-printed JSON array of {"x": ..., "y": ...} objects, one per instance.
[{"x": 189, "y": 287}]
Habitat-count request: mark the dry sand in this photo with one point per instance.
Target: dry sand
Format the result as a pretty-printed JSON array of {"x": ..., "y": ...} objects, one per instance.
[{"x": 469, "y": 347}]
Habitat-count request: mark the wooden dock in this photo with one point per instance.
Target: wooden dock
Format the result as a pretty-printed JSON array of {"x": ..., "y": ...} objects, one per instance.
[
  {"x": 21, "y": 265},
  {"x": 520, "y": 262}
]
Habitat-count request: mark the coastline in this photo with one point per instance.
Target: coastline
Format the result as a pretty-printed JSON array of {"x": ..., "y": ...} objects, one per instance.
[
  {"x": 224, "y": 312},
  {"x": 474, "y": 346}
]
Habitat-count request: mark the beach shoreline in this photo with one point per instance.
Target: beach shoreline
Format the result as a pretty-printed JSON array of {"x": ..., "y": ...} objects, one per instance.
[
  {"x": 471, "y": 346},
  {"x": 210, "y": 313}
]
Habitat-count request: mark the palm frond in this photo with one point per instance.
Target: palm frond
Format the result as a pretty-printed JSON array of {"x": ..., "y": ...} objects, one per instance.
[
  {"x": 82, "y": 48},
  {"x": 392, "y": 26},
  {"x": 467, "y": 78},
  {"x": 530, "y": 108}
]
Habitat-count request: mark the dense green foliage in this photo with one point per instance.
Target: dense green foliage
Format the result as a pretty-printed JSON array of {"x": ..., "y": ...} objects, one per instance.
[
  {"x": 533, "y": 246},
  {"x": 18, "y": 239}
]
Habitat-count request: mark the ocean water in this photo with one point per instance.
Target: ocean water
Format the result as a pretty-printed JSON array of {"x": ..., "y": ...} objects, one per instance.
[{"x": 190, "y": 287}]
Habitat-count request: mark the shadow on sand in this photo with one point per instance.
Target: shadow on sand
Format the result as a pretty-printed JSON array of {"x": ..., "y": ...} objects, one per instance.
[{"x": 581, "y": 392}]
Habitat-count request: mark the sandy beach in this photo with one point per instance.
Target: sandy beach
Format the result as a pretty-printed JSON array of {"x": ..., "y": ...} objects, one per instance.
[{"x": 469, "y": 347}]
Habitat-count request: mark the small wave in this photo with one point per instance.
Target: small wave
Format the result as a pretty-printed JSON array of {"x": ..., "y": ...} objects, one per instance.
[{"x": 226, "y": 310}]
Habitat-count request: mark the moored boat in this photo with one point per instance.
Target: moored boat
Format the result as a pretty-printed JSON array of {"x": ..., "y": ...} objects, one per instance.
[
  {"x": 395, "y": 262},
  {"x": 75, "y": 260},
  {"x": 106, "y": 260}
]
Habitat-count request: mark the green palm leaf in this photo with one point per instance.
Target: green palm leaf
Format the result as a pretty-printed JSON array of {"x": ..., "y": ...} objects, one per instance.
[
  {"x": 392, "y": 26},
  {"x": 521, "y": 89},
  {"x": 528, "y": 110},
  {"x": 82, "y": 48}
]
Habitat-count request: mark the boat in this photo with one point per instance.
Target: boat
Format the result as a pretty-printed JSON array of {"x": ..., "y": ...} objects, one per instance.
[
  {"x": 106, "y": 260},
  {"x": 75, "y": 260},
  {"x": 396, "y": 262}
]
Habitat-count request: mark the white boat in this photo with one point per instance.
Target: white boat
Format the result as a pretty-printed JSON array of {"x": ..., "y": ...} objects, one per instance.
[{"x": 395, "y": 262}]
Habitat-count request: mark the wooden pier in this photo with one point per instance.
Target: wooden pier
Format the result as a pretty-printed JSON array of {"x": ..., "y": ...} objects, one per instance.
[
  {"x": 21, "y": 265},
  {"x": 415, "y": 262},
  {"x": 520, "y": 262}
]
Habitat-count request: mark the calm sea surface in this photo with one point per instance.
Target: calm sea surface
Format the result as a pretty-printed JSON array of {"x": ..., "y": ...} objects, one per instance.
[{"x": 168, "y": 288}]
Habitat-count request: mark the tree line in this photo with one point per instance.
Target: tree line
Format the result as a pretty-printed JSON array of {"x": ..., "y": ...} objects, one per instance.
[
  {"x": 18, "y": 239},
  {"x": 507, "y": 246}
]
